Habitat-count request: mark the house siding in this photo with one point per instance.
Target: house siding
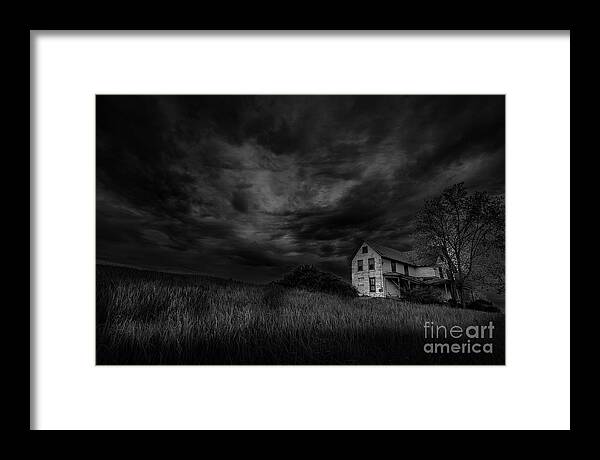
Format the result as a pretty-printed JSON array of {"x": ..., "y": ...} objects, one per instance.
[
  {"x": 360, "y": 280},
  {"x": 387, "y": 267},
  {"x": 427, "y": 272}
]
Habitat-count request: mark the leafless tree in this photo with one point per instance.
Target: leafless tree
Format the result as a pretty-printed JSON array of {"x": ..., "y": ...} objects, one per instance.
[{"x": 467, "y": 231}]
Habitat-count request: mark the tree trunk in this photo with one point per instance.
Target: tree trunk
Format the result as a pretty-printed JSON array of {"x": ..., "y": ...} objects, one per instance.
[
  {"x": 462, "y": 296},
  {"x": 453, "y": 291},
  {"x": 460, "y": 284}
]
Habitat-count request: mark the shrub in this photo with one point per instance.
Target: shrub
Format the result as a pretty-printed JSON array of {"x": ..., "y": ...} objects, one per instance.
[
  {"x": 482, "y": 305},
  {"x": 311, "y": 279},
  {"x": 422, "y": 294}
]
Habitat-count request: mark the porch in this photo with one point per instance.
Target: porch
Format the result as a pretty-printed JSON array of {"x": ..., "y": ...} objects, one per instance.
[{"x": 398, "y": 284}]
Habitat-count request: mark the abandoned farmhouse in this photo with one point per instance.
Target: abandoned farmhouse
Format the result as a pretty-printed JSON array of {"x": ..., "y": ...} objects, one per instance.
[{"x": 379, "y": 271}]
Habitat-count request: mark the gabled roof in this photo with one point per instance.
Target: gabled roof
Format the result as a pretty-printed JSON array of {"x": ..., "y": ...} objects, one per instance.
[{"x": 407, "y": 257}]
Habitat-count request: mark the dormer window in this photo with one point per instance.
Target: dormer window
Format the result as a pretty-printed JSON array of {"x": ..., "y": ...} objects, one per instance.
[
  {"x": 365, "y": 249},
  {"x": 394, "y": 266}
]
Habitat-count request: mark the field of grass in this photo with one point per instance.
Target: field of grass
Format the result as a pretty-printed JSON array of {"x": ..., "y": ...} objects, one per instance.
[{"x": 146, "y": 317}]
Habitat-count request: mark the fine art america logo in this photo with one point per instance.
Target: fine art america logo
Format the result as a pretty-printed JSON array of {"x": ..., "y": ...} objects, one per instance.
[{"x": 472, "y": 339}]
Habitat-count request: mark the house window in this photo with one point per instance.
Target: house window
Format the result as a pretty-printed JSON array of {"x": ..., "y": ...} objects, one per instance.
[
  {"x": 441, "y": 272},
  {"x": 394, "y": 266},
  {"x": 365, "y": 249},
  {"x": 371, "y": 264},
  {"x": 360, "y": 265},
  {"x": 406, "y": 270},
  {"x": 371, "y": 284}
]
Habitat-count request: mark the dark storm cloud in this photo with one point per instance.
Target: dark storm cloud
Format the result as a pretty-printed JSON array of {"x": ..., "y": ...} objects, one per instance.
[
  {"x": 136, "y": 157},
  {"x": 361, "y": 209},
  {"x": 249, "y": 186},
  {"x": 252, "y": 256},
  {"x": 240, "y": 201}
]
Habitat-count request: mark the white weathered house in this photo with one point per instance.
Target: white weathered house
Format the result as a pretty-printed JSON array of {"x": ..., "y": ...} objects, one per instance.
[{"x": 379, "y": 271}]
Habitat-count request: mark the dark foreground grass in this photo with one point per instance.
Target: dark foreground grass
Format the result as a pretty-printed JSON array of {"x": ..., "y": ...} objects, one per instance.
[{"x": 146, "y": 317}]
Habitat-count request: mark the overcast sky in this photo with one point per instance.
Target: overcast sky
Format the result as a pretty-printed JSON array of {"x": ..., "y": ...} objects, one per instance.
[{"x": 247, "y": 187}]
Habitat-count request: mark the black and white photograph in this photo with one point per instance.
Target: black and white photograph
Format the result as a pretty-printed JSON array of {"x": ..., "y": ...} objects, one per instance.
[{"x": 300, "y": 229}]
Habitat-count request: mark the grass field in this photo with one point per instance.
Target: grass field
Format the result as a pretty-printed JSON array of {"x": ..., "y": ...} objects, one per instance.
[{"x": 146, "y": 317}]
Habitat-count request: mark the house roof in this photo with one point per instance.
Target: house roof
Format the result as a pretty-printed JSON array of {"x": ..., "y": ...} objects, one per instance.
[{"x": 407, "y": 257}]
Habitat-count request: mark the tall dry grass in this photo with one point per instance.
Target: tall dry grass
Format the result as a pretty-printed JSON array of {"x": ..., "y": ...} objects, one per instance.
[{"x": 157, "y": 318}]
